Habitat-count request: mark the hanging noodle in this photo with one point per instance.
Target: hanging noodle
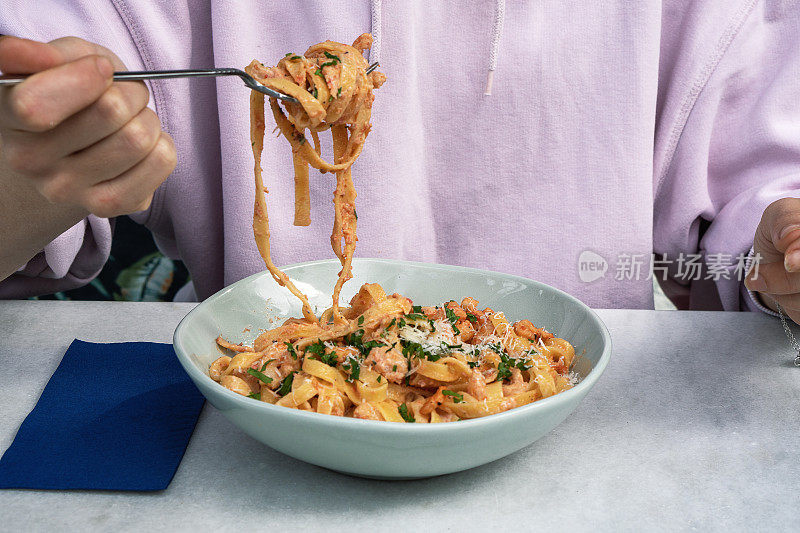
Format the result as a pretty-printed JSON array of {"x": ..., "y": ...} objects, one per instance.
[{"x": 334, "y": 92}]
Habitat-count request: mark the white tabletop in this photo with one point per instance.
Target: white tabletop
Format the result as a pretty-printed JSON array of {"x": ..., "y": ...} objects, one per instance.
[{"x": 695, "y": 425}]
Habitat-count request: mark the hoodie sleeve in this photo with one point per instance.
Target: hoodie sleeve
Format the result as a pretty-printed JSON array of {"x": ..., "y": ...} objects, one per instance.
[
  {"x": 75, "y": 257},
  {"x": 72, "y": 260},
  {"x": 727, "y": 139}
]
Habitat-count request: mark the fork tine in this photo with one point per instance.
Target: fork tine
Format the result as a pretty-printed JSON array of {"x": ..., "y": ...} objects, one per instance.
[
  {"x": 256, "y": 86},
  {"x": 271, "y": 92}
]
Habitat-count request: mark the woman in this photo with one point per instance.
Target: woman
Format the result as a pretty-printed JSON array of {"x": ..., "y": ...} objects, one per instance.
[{"x": 613, "y": 130}]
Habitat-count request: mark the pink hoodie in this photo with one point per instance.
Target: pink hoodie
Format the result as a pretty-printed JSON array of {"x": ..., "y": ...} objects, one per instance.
[{"x": 614, "y": 130}]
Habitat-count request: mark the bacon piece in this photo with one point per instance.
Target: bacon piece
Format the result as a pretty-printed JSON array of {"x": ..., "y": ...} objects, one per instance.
[{"x": 524, "y": 328}]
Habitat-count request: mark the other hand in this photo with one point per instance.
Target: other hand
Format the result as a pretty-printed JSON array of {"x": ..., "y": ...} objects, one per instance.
[{"x": 777, "y": 241}]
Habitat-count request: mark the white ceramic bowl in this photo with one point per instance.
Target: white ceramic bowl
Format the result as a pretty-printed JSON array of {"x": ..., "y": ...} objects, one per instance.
[{"x": 383, "y": 449}]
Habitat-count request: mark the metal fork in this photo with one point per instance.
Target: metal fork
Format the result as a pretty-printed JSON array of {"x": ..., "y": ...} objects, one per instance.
[{"x": 192, "y": 73}]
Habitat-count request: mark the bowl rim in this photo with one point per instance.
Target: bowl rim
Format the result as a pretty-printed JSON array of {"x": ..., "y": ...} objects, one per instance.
[{"x": 355, "y": 423}]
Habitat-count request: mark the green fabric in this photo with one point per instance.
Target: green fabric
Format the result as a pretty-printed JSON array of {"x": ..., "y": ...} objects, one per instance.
[{"x": 135, "y": 271}]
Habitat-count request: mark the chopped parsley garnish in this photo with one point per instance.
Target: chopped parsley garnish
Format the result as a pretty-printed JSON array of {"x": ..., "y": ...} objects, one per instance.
[
  {"x": 456, "y": 396},
  {"x": 286, "y": 384},
  {"x": 413, "y": 349},
  {"x": 329, "y": 359},
  {"x": 354, "y": 367},
  {"x": 314, "y": 92},
  {"x": 496, "y": 347},
  {"x": 288, "y": 54},
  {"x": 295, "y": 57},
  {"x": 472, "y": 318},
  {"x": 452, "y": 318},
  {"x": 360, "y": 320},
  {"x": 339, "y": 92},
  {"x": 503, "y": 371},
  {"x": 392, "y": 323},
  {"x": 416, "y": 309},
  {"x": 259, "y": 375},
  {"x": 318, "y": 350},
  {"x": 268, "y": 361},
  {"x": 318, "y": 72},
  {"x": 416, "y": 316},
  {"x": 367, "y": 346},
  {"x": 254, "y": 395},
  {"x": 354, "y": 211},
  {"x": 378, "y": 379},
  {"x": 355, "y": 338},
  {"x": 394, "y": 368},
  {"x": 473, "y": 364},
  {"x": 402, "y": 323},
  {"x": 292, "y": 351},
  {"x": 507, "y": 363},
  {"x": 331, "y": 56},
  {"x": 403, "y": 410},
  {"x": 330, "y": 98}
]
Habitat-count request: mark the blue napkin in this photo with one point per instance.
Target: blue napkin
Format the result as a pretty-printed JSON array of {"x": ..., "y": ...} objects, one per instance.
[{"x": 112, "y": 417}]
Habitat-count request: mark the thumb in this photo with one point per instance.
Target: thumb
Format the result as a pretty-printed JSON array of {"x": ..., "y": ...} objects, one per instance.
[
  {"x": 778, "y": 235},
  {"x": 791, "y": 258}
]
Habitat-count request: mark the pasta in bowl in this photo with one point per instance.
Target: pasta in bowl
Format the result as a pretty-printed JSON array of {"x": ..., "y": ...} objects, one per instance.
[
  {"x": 394, "y": 361},
  {"x": 247, "y": 309}
]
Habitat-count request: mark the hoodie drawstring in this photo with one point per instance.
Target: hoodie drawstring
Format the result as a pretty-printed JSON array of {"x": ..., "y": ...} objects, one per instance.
[
  {"x": 375, "y": 51},
  {"x": 497, "y": 32}
]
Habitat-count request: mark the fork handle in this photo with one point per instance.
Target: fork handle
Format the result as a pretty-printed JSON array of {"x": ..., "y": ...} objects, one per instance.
[
  {"x": 149, "y": 75},
  {"x": 136, "y": 75},
  {"x": 140, "y": 75}
]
